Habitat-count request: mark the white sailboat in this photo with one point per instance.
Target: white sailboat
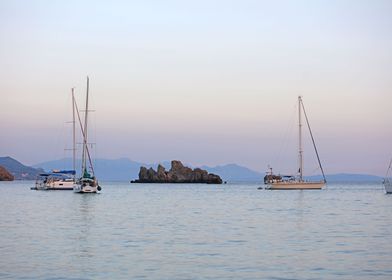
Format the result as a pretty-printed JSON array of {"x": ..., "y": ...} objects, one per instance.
[
  {"x": 278, "y": 182},
  {"x": 55, "y": 180},
  {"x": 60, "y": 179},
  {"x": 87, "y": 183},
  {"x": 387, "y": 180}
]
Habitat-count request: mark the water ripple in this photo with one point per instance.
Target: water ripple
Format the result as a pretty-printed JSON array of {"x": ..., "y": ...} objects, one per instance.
[{"x": 195, "y": 232}]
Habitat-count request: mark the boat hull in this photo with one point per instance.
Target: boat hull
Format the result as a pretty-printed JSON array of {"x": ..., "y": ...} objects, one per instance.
[
  {"x": 86, "y": 185},
  {"x": 54, "y": 185},
  {"x": 388, "y": 187},
  {"x": 85, "y": 189},
  {"x": 296, "y": 186}
]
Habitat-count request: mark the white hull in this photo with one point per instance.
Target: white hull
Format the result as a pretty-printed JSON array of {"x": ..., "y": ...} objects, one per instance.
[
  {"x": 296, "y": 186},
  {"x": 388, "y": 186},
  {"x": 84, "y": 189},
  {"x": 86, "y": 186},
  {"x": 54, "y": 185}
]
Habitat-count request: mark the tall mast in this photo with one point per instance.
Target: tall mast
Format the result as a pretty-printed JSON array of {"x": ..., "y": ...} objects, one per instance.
[
  {"x": 85, "y": 131},
  {"x": 73, "y": 135},
  {"x": 300, "y": 151}
]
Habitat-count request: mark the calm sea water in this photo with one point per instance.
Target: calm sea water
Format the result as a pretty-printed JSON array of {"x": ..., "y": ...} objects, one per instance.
[{"x": 234, "y": 231}]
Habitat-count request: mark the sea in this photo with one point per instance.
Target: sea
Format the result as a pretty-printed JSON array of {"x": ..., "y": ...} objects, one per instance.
[{"x": 196, "y": 231}]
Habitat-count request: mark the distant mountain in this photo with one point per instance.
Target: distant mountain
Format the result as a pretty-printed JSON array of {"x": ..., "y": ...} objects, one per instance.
[
  {"x": 233, "y": 172},
  {"x": 124, "y": 169},
  {"x": 18, "y": 170},
  {"x": 347, "y": 177}
]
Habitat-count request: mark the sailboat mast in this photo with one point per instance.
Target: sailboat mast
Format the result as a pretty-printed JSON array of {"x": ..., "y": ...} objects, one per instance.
[
  {"x": 300, "y": 151},
  {"x": 85, "y": 131},
  {"x": 73, "y": 135}
]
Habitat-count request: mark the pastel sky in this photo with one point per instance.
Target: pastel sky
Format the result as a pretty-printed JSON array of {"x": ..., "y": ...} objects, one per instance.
[{"x": 206, "y": 82}]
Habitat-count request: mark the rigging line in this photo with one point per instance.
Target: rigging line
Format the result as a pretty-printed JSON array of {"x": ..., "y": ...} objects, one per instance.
[
  {"x": 389, "y": 168},
  {"x": 94, "y": 148},
  {"x": 286, "y": 137},
  {"x": 314, "y": 144},
  {"x": 87, "y": 149},
  {"x": 314, "y": 170},
  {"x": 81, "y": 128}
]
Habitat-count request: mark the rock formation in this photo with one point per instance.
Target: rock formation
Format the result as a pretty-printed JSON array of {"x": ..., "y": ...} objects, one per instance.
[
  {"x": 5, "y": 175},
  {"x": 177, "y": 174}
]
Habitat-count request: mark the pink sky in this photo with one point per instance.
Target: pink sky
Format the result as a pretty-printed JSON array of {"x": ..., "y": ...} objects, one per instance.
[{"x": 205, "y": 82}]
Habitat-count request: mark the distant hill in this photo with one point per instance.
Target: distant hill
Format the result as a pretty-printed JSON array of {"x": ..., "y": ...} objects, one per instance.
[
  {"x": 124, "y": 169},
  {"x": 347, "y": 177},
  {"x": 19, "y": 170},
  {"x": 233, "y": 172}
]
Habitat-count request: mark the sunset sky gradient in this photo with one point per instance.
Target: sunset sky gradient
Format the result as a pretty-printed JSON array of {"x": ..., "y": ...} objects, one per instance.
[{"x": 205, "y": 82}]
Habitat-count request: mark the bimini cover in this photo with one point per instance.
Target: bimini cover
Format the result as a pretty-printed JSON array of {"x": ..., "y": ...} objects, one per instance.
[
  {"x": 57, "y": 175},
  {"x": 71, "y": 172}
]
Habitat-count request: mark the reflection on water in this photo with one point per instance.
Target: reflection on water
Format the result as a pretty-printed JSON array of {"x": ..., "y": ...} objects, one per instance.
[
  {"x": 84, "y": 221},
  {"x": 195, "y": 232},
  {"x": 300, "y": 208}
]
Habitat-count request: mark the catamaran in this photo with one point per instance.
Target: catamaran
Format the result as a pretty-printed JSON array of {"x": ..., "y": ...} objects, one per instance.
[
  {"x": 278, "y": 182},
  {"x": 87, "y": 183},
  {"x": 387, "y": 180}
]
